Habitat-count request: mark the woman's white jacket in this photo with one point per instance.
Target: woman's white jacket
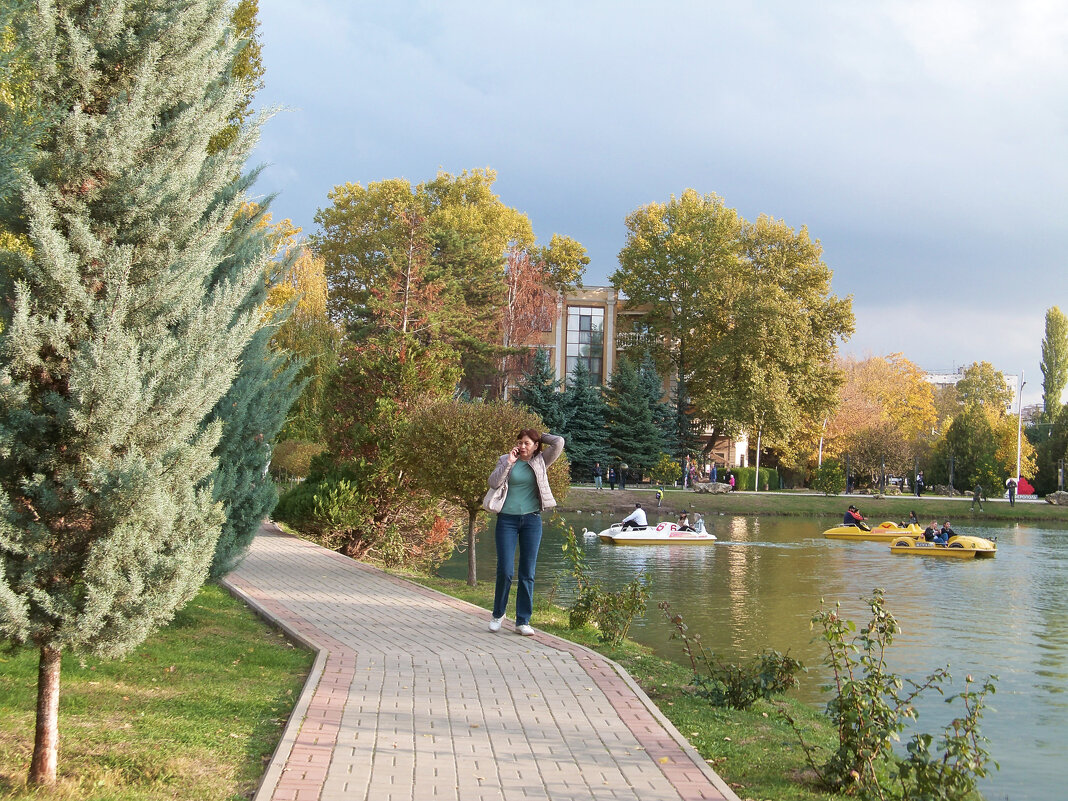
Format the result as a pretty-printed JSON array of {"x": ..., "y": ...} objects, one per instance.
[{"x": 551, "y": 448}]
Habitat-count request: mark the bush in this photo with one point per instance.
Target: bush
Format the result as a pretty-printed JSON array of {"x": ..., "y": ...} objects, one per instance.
[
  {"x": 735, "y": 686},
  {"x": 869, "y": 707},
  {"x": 666, "y": 471},
  {"x": 745, "y": 478},
  {"x": 611, "y": 612},
  {"x": 333, "y": 511},
  {"x": 830, "y": 478}
]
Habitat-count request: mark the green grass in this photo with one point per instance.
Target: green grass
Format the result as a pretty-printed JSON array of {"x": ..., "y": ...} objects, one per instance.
[
  {"x": 809, "y": 505},
  {"x": 755, "y": 750},
  {"x": 194, "y": 713}
]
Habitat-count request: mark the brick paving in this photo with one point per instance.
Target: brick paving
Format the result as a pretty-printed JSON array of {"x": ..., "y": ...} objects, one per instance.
[{"x": 411, "y": 697}]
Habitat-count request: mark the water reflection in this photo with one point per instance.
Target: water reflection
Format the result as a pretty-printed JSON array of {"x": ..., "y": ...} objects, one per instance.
[{"x": 759, "y": 585}]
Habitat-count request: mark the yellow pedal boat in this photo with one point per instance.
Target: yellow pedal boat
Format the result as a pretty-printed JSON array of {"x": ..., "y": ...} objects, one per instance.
[
  {"x": 961, "y": 546},
  {"x": 660, "y": 534},
  {"x": 884, "y": 532}
]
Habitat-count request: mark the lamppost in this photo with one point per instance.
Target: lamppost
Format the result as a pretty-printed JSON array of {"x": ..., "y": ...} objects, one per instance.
[{"x": 1019, "y": 426}]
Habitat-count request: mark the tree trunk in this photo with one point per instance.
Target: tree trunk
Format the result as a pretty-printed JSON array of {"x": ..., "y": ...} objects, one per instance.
[
  {"x": 472, "y": 578},
  {"x": 46, "y": 738}
]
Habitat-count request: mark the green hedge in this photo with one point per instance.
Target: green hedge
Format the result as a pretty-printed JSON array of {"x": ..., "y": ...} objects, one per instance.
[{"x": 745, "y": 478}]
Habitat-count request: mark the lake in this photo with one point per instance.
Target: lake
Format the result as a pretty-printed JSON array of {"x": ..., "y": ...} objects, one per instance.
[{"x": 759, "y": 585}]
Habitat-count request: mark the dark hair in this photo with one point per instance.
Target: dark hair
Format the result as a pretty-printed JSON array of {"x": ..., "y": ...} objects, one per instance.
[
  {"x": 637, "y": 506},
  {"x": 533, "y": 435}
]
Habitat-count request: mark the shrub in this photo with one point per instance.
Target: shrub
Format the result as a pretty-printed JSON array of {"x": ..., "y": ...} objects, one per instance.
[
  {"x": 666, "y": 471},
  {"x": 869, "y": 707},
  {"x": 830, "y": 478},
  {"x": 745, "y": 478},
  {"x": 735, "y": 686},
  {"x": 611, "y": 612}
]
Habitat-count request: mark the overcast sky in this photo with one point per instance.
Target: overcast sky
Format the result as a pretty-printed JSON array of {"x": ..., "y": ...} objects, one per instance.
[{"x": 925, "y": 144}]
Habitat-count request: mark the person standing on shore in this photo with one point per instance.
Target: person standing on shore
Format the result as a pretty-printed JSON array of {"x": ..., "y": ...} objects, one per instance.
[
  {"x": 518, "y": 493},
  {"x": 597, "y": 473},
  {"x": 1011, "y": 484},
  {"x": 611, "y": 478},
  {"x": 977, "y": 497}
]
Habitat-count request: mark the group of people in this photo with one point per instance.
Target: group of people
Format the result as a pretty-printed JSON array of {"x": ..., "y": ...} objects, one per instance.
[
  {"x": 600, "y": 474},
  {"x": 638, "y": 519},
  {"x": 613, "y": 475},
  {"x": 932, "y": 533}
]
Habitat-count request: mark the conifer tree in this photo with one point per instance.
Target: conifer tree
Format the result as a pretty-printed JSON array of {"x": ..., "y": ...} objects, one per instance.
[
  {"x": 632, "y": 435},
  {"x": 120, "y": 332},
  {"x": 584, "y": 426},
  {"x": 539, "y": 391},
  {"x": 662, "y": 411},
  {"x": 253, "y": 410}
]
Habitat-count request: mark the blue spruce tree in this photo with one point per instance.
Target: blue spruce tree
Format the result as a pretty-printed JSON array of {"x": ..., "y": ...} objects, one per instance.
[{"x": 117, "y": 340}]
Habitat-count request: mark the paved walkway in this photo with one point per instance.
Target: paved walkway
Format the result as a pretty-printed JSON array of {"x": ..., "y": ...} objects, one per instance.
[{"x": 410, "y": 697}]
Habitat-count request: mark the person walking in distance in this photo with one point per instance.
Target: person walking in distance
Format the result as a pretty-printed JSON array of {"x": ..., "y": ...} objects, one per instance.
[
  {"x": 1011, "y": 484},
  {"x": 518, "y": 493},
  {"x": 977, "y": 497}
]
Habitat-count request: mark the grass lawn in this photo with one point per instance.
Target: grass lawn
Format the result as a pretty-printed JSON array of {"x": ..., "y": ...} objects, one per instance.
[
  {"x": 755, "y": 751},
  {"x": 808, "y": 505},
  {"x": 194, "y": 713}
]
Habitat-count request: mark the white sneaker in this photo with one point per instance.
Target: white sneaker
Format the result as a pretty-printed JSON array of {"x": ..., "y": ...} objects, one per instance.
[
  {"x": 495, "y": 624},
  {"x": 524, "y": 630}
]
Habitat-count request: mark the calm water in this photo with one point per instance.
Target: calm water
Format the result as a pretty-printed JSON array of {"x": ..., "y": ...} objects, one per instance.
[{"x": 758, "y": 587}]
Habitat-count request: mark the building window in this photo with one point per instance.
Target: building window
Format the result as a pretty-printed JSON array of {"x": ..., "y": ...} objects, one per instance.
[{"x": 585, "y": 340}]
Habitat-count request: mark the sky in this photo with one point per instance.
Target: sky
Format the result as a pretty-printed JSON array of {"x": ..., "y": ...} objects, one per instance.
[{"x": 924, "y": 144}]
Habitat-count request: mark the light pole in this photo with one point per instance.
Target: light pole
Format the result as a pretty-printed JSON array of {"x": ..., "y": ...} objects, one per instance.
[
  {"x": 822, "y": 432},
  {"x": 1019, "y": 426}
]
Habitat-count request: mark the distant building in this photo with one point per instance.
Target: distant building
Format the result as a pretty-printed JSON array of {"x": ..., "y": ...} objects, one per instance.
[
  {"x": 941, "y": 379},
  {"x": 595, "y": 325}
]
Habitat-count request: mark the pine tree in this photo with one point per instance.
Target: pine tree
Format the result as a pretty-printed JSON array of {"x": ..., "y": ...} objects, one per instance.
[
  {"x": 584, "y": 428},
  {"x": 116, "y": 343},
  {"x": 253, "y": 410},
  {"x": 538, "y": 391},
  {"x": 632, "y": 435},
  {"x": 662, "y": 411}
]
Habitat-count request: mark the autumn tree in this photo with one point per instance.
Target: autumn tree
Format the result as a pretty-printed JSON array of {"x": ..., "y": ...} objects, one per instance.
[
  {"x": 884, "y": 416},
  {"x": 118, "y": 338},
  {"x": 464, "y": 231},
  {"x": 1054, "y": 363},
  {"x": 982, "y": 385},
  {"x": 308, "y": 335},
  {"x": 450, "y": 447},
  {"x": 743, "y": 312}
]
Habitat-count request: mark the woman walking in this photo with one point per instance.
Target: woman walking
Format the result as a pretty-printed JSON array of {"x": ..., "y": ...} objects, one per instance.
[{"x": 519, "y": 491}]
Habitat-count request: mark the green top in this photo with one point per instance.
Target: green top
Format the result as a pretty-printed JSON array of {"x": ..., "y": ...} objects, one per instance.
[{"x": 522, "y": 497}]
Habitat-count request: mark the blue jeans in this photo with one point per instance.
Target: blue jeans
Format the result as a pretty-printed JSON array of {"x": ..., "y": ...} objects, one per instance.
[
  {"x": 524, "y": 531},
  {"x": 597, "y": 482}
]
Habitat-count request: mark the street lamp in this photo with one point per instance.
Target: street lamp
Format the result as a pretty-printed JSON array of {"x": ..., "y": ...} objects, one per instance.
[{"x": 1019, "y": 426}]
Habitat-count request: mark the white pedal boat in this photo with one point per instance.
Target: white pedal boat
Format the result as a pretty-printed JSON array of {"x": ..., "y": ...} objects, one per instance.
[{"x": 660, "y": 534}]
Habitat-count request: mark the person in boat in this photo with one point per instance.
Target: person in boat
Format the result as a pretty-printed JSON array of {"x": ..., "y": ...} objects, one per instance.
[
  {"x": 933, "y": 534},
  {"x": 636, "y": 519},
  {"x": 913, "y": 520},
  {"x": 853, "y": 517},
  {"x": 947, "y": 532},
  {"x": 518, "y": 493},
  {"x": 683, "y": 523},
  {"x": 698, "y": 523}
]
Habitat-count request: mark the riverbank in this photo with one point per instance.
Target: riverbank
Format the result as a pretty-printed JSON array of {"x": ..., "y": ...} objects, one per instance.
[{"x": 617, "y": 503}]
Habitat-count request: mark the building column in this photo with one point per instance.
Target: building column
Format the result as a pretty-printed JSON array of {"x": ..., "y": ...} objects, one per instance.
[
  {"x": 561, "y": 331},
  {"x": 609, "y": 336}
]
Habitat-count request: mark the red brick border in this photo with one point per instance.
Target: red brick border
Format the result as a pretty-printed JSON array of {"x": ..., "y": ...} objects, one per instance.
[{"x": 304, "y": 772}]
